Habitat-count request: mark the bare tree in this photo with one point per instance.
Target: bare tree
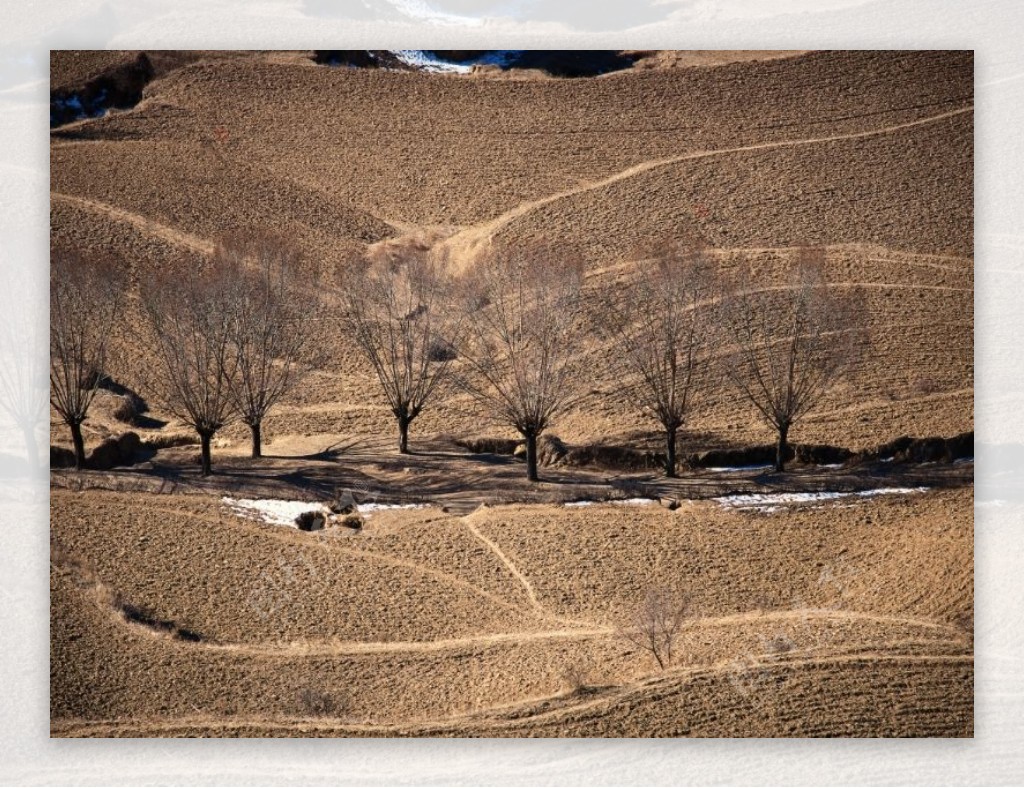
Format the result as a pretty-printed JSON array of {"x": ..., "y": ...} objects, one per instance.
[
  {"x": 524, "y": 306},
  {"x": 270, "y": 311},
  {"x": 84, "y": 300},
  {"x": 190, "y": 315},
  {"x": 792, "y": 343},
  {"x": 659, "y": 330},
  {"x": 398, "y": 310},
  {"x": 656, "y": 624}
]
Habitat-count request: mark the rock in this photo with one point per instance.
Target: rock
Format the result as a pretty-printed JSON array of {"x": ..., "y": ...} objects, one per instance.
[
  {"x": 352, "y": 521},
  {"x": 669, "y": 503},
  {"x": 343, "y": 503},
  {"x": 311, "y": 521}
]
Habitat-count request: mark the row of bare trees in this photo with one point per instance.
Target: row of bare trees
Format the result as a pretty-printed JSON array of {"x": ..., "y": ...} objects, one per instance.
[
  {"x": 227, "y": 340},
  {"x": 517, "y": 318},
  {"x": 232, "y": 338}
]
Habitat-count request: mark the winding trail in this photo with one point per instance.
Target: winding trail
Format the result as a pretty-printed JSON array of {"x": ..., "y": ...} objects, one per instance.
[
  {"x": 353, "y": 552},
  {"x": 508, "y": 717},
  {"x": 493, "y": 547},
  {"x": 164, "y": 232},
  {"x": 464, "y": 244}
]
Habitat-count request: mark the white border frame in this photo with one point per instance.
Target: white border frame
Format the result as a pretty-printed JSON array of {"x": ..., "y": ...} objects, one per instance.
[{"x": 992, "y": 28}]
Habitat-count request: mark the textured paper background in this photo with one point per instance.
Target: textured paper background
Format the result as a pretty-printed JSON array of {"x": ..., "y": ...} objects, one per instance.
[{"x": 993, "y": 28}]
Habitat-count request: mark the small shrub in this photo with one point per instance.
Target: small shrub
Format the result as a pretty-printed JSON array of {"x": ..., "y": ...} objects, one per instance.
[
  {"x": 923, "y": 386},
  {"x": 780, "y": 644},
  {"x": 655, "y": 625},
  {"x": 576, "y": 677},
  {"x": 314, "y": 702}
]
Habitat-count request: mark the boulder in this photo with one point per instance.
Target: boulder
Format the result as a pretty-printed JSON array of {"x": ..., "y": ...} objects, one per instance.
[
  {"x": 343, "y": 503},
  {"x": 311, "y": 521}
]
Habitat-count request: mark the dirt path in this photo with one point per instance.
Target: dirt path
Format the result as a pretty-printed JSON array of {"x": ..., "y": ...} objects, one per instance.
[
  {"x": 300, "y": 540},
  {"x": 162, "y": 231},
  {"x": 505, "y": 717},
  {"x": 508, "y": 563},
  {"x": 463, "y": 245},
  {"x": 898, "y": 257}
]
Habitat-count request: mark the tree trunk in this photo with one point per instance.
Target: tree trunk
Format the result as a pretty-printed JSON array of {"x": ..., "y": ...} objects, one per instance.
[
  {"x": 531, "y": 457},
  {"x": 782, "y": 449},
  {"x": 76, "y": 437},
  {"x": 403, "y": 434},
  {"x": 257, "y": 440},
  {"x": 204, "y": 440},
  {"x": 670, "y": 452}
]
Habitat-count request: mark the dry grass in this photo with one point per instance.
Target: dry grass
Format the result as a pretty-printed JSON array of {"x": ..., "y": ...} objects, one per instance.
[{"x": 418, "y": 619}]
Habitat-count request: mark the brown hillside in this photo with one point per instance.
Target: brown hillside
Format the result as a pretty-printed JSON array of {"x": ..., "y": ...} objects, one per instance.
[{"x": 866, "y": 153}]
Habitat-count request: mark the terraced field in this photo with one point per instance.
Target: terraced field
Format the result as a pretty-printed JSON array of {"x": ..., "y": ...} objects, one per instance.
[
  {"x": 173, "y": 615},
  {"x": 849, "y": 620}
]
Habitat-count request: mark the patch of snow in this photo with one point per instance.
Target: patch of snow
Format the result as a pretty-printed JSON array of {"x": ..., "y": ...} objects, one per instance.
[
  {"x": 425, "y": 60},
  {"x": 369, "y": 508},
  {"x": 278, "y": 512},
  {"x": 962, "y": 460},
  {"x": 273, "y": 511},
  {"x": 619, "y": 502},
  {"x": 771, "y": 502}
]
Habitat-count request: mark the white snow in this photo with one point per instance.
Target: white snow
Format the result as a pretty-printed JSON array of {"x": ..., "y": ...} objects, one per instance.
[
  {"x": 620, "y": 502},
  {"x": 368, "y": 508},
  {"x": 279, "y": 512},
  {"x": 273, "y": 511},
  {"x": 427, "y": 61},
  {"x": 770, "y": 502}
]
